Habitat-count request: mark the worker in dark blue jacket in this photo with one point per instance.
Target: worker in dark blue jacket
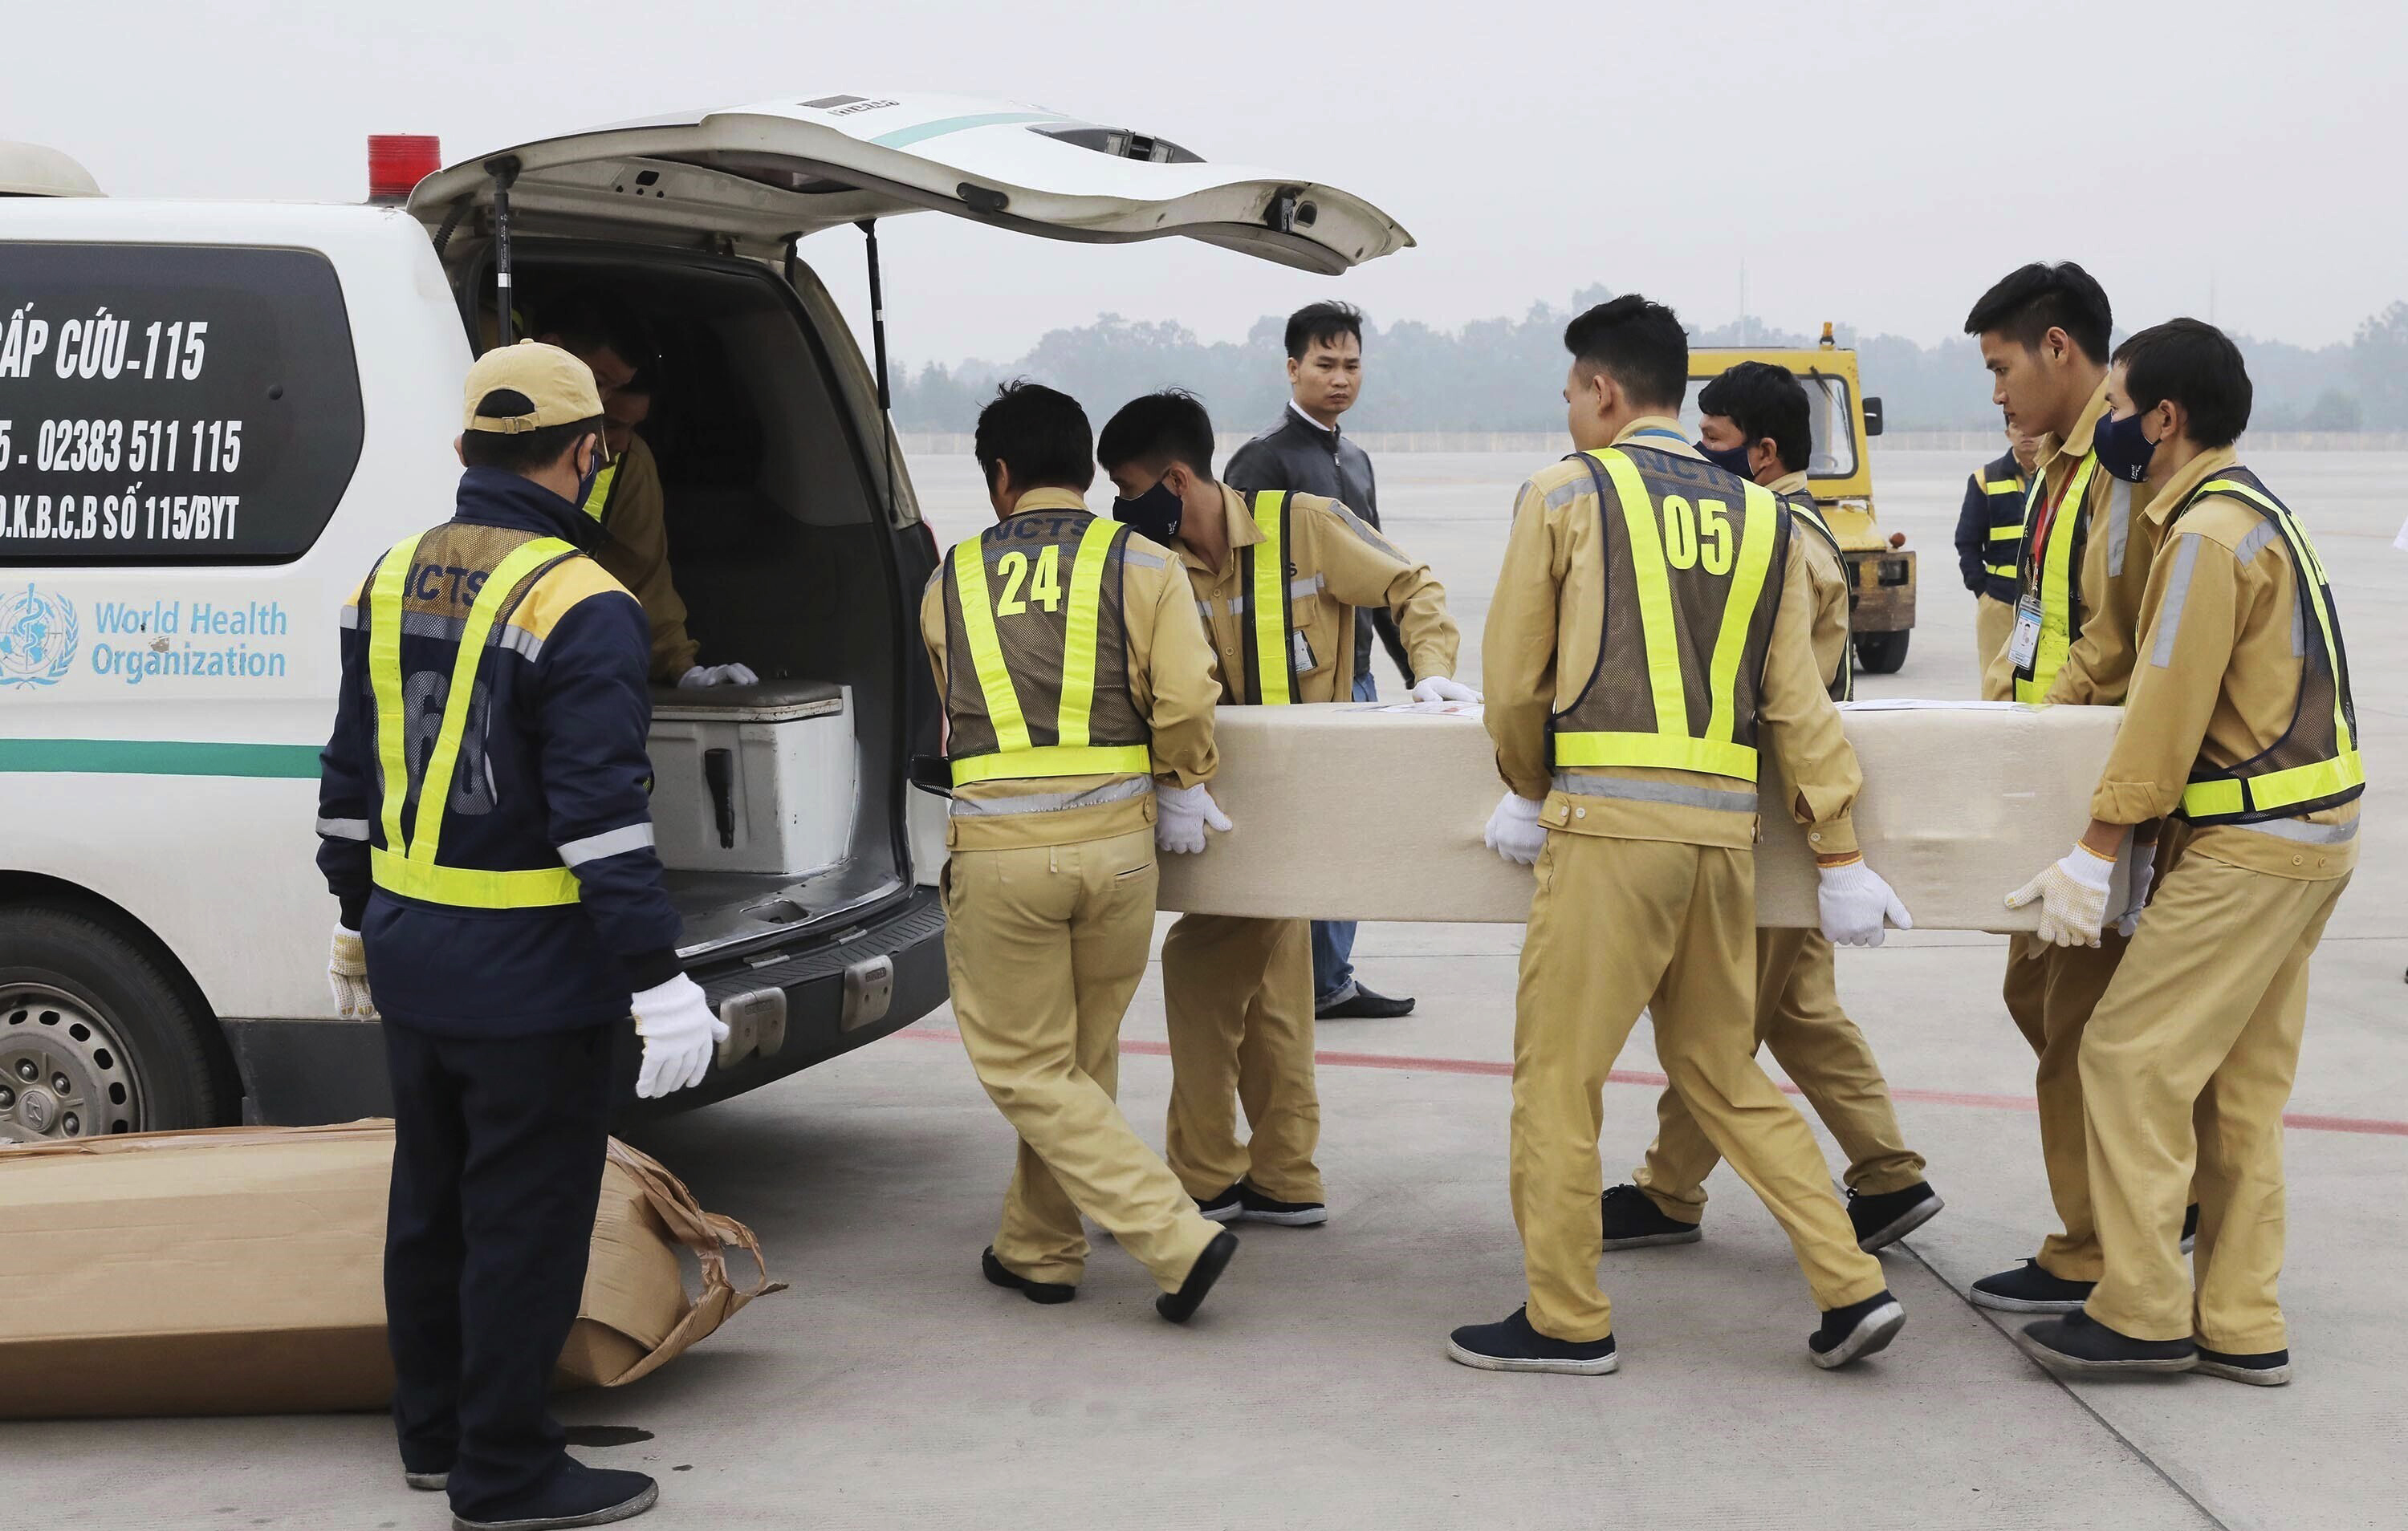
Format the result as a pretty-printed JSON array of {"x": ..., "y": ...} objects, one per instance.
[
  {"x": 484, "y": 827},
  {"x": 1989, "y": 540}
]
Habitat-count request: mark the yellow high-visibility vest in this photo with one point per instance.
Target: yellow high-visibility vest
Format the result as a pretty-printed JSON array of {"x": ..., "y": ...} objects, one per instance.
[
  {"x": 1842, "y": 686},
  {"x": 2334, "y": 772},
  {"x": 597, "y": 503},
  {"x": 2060, "y": 582},
  {"x": 1270, "y": 652},
  {"x": 2005, "y": 491},
  {"x": 1697, "y": 540},
  {"x": 1016, "y": 756},
  {"x": 406, "y": 866}
]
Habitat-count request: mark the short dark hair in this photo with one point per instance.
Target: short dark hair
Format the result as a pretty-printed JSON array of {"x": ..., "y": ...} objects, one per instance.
[
  {"x": 1322, "y": 324},
  {"x": 1040, "y": 433},
  {"x": 586, "y": 321},
  {"x": 2029, "y": 300},
  {"x": 1764, "y": 400},
  {"x": 525, "y": 451},
  {"x": 1639, "y": 343},
  {"x": 2197, "y": 366},
  {"x": 1159, "y": 429}
]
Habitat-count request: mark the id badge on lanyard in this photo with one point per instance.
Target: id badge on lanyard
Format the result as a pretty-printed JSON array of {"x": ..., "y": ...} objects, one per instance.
[{"x": 2024, "y": 646}]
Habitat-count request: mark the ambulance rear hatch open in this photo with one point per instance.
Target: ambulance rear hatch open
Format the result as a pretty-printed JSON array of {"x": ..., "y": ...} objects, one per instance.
[{"x": 783, "y": 489}]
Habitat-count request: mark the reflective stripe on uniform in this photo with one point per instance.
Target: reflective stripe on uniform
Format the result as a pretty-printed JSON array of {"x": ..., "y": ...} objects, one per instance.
[
  {"x": 610, "y": 842},
  {"x": 2301, "y": 832},
  {"x": 1051, "y": 802},
  {"x": 598, "y": 501},
  {"x": 1672, "y": 744},
  {"x": 2170, "y": 610},
  {"x": 1719, "y": 799},
  {"x": 986, "y": 651},
  {"x": 407, "y": 865},
  {"x": 1085, "y": 616},
  {"x": 2057, "y": 584},
  {"x": 1269, "y": 561},
  {"x": 343, "y": 829}
]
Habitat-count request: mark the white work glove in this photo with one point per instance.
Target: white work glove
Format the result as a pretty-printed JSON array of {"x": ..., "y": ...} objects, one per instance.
[
  {"x": 1514, "y": 831},
  {"x": 347, "y": 975},
  {"x": 2073, "y": 897},
  {"x": 1437, "y": 688},
  {"x": 1180, "y": 814},
  {"x": 701, "y": 675},
  {"x": 1853, "y": 900},
  {"x": 680, "y": 1034},
  {"x": 2145, "y": 876}
]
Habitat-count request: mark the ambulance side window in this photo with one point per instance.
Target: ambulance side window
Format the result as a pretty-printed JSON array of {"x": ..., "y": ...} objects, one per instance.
[{"x": 171, "y": 404}]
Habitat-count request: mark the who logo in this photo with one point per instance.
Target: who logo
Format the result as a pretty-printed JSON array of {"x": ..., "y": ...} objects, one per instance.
[{"x": 37, "y": 637}]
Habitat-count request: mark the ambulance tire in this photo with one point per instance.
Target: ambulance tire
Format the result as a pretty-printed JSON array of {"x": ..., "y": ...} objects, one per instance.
[
  {"x": 1881, "y": 654},
  {"x": 105, "y": 985}
]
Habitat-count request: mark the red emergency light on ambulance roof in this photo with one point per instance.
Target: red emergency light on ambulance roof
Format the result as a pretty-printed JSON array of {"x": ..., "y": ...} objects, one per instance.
[{"x": 397, "y": 161}]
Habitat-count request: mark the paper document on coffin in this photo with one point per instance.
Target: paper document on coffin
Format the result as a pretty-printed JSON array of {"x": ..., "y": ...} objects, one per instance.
[{"x": 1357, "y": 812}]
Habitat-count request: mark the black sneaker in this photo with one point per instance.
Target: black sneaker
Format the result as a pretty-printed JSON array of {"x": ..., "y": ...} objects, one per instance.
[
  {"x": 1180, "y": 1305},
  {"x": 2081, "y": 1346},
  {"x": 2266, "y": 1369},
  {"x": 1002, "y": 1275},
  {"x": 1253, "y": 1207},
  {"x": 1514, "y": 1346},
  {"x": 1225, "y": 1207},
  {"x": 1633, "y": 1220},
  {"x": 1854, "y": 1332},
  {"x": 2190, "y": 1227},
  {"x": 2028, "y": 1289},
  {"x": 427, "y": 1483},
  {"x": 1888, "y": 1216},
  {"x": 1363, "y": 1005},
  {"x": 580, "y": 1495}
]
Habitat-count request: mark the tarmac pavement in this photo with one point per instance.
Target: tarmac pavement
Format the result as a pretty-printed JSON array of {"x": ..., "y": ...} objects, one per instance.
[{"x": 891, "y": 1385}]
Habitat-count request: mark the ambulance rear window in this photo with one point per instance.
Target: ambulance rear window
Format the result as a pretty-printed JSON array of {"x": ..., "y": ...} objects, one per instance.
[{"x": 171, "y": 404}]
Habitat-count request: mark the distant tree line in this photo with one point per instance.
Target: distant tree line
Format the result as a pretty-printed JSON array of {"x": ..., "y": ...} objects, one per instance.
[{"x": 1501, "y": 374}]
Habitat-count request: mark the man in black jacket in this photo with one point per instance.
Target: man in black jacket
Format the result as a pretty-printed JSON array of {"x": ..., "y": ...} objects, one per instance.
[
  {"x": 1305, "y": 454},
  {"x": 1989, "y": 536}
]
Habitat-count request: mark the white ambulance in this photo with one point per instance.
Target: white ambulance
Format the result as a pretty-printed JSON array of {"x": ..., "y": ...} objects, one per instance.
[{"x": 214, "y": 417}]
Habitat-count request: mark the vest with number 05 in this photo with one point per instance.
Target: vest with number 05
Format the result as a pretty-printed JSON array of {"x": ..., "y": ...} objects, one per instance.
[
  {"x": 2315, "y": 764},
  {"x": 1693, "y": 561},
  {"x": 1037, "y": 654},
  {"x": 409, "y": 865}
]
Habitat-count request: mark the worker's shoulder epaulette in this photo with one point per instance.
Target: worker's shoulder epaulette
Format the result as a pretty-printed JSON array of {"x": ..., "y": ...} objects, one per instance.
[
  {"x": 1558, "y": 484},
  {"x": 559, "y": 589},
  {"x": 2231, "y": 523}
]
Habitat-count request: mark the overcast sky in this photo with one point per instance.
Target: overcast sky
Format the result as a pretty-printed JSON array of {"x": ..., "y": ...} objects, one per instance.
[{"x": 1873, "y": 164}]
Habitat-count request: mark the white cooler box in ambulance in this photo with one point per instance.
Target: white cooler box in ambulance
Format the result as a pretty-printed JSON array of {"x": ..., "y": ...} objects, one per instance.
[{"x": 754, "y": 778}]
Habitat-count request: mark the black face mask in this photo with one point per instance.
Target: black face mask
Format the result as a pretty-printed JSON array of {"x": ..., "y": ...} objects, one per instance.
[
  {"x": 2124, "y": 449},
  {"x": 1732, "y": 460},
  {"x": 1153, "y": 514}
]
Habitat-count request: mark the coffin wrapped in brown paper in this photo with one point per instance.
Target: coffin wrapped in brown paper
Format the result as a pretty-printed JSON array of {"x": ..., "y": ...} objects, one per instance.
[
  {"x": 1346, "y": 812},
  {"x": 241, "y": 1271}
]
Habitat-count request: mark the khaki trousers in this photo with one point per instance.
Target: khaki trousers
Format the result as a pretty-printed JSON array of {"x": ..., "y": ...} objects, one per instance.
[
  {"x": 1237, "y": 995},
  {"x": 1619, "y": 927},
  {"x": 2051, "y": 998},
  {"x": 1799, "y": 1020},
  {"x": 1994, "y": 623},
  {"x": 2186, "y": 1070},
  {"x": 1044, "y": 945}
]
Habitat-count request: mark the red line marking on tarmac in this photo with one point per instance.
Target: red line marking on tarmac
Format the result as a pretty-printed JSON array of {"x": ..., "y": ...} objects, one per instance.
[{"x": 2298, "y": 1120}]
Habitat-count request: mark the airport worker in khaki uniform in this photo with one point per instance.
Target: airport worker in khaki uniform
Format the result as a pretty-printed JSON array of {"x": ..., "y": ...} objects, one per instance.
[
  {"x": 1650, "y": 636},
  {"x": 1756, "y": 425},
  {"x": 2082, "y": 563},
  {"x": 1277, "y": 577},
  {"x": 2240, "y": 726},
  {"x": 1074, "y": 674}
]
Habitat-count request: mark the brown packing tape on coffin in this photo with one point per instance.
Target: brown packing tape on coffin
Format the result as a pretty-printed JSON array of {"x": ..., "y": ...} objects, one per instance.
[
  {"x": 239, "y": 1270},
  {"x": 1347, "y": 811}
]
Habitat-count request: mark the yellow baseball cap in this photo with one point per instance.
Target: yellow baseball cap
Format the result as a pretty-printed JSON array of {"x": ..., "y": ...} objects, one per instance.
[{"x": 526, "y": 387}]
